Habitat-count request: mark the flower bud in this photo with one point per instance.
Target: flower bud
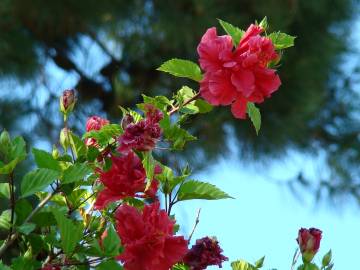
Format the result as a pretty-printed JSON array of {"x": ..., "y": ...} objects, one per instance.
[
  {"x": 5, "y": 143},
  {"x": 67, "y": 101},
  {"x": 326, "y": 259},
  {"x": 309, "y": 243},
  {"x": 55, "y": 152},
  {"x": 64, "y": 138}
]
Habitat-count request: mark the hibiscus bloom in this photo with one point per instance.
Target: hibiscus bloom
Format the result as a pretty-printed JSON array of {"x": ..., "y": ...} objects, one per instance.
[
  {"x": 148, "y": 238},
  {"x": 126, "y": 178},
  {"x": 94, "y": 123},
  {"x": 309, "y": 242},
  {"x": 240, "y": 75},
  {"x": 143, "y": 135}
]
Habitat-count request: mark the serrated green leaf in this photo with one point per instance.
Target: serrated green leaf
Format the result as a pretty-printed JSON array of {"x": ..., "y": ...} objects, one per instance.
[
  {"x": 77, "y": 146},
  {"x": 37, "y": 180},
  {"x": 5, "y": 218},
  {"x": 75, "y": 173},
  {"x": 9, "y": 167},
  {"x": 26, "y": 228},
  {"x": 260, "y": 262},
  {"x": 105, "y": 134},
  {"x": 175, "y": 134},
  {"x": 182, "y": 68},
  {"x": 200, "y": 190},
  {"x": 5, "y": 190},
  {"x": 160, "y": 102},
  {"x": 242, "y": 265},
  {"x": 180, "y": 266},
  {"x": 203, "y": 106},
  {"x": 70, "y": 232},
  {"x": 235, "y": 32},
  {"x": 255, "y": 116},
  {"x": 18, "y": 148},
  {"x": 281, "y": 40},
  {"x": 149, "y": 165},
  {"x": 44, "y": 159},
  {"x": 111, "y": 243},
  {"x": 109, "y": 265}
]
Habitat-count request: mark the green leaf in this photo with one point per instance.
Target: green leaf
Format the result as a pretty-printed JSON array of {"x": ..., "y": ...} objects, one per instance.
[
  {"x": 111, "y": 243},
  {"x": 264, "y": 23},
  {"x": 109, "y": 265},
  {"x": 22, "y": 263},
  {"x": 26, "y": 228},
  {"x": 149, "y": 165},
  {"x": 242, "y": 265},
  {"x": 75, "y": 173},
  {"x": 5, "y": 218},
  {"x": 5, "y": 144},
  {"x": 235, "y": 32},
  {"x": 260, "y": 262},
  {"x": 326, "y": 260},
  {"x": 105, "y": 134},
  {"x": 70, "y": 233},
  {"x": 200, "y": 190},
  {"x": 160, "y": 102},
  {"x": 203, "y": 106},
  {"x": 255, "y": 116},
  {"x": 23, "y": 209},
  {"x": 18, "y": 149},
  {"x": 9, "y": 167},
  {"x": 45, "y": 160},
  {"x": 77, "y": 145},
  {"x": 5, "y": 190},
  {"x": 37, "y": 180},
  {"x": 281, "y": 40},
  {"x": 182, "y": 68},
  {"x": 175, "y": 134},
  {"x": 180, "y": 266},
  {"x": 4, "y": 267}
]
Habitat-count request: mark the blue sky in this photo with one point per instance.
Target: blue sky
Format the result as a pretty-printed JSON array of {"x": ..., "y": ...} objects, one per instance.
[{"x": 264, "y": 218}]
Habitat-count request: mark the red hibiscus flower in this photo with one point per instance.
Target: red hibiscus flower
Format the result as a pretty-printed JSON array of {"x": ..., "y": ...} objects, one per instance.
[
  {"x": 309, "y": 242},
  {"x": 240, "y": 75},
  {"x": 148, "y": 238},
  {"x": 204, "y": 253},
  {"x": 125, "y": 178},
  {"x": 143, "y": 135},
  {"x": 94, "y": 123}
]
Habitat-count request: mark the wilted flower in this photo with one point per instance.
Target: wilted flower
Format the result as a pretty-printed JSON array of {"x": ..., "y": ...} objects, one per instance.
[
  {"x": 204, "y": 253},
  {"x": 143, "y": 135},
  {"x": 309, "y": 242}
]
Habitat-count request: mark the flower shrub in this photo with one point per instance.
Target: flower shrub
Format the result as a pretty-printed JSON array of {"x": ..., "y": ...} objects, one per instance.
[{"x": 104, "y": 201}]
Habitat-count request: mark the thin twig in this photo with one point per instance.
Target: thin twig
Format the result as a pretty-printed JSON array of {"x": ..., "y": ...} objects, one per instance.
[
  {"x": 195, "y": 225},
  {"x": 15, "y": 235},
  {"x": 174, "y": 110},
  {"x": 295, "y": 258}
]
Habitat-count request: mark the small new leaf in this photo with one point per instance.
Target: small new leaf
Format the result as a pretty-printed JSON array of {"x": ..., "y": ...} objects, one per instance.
[
  {"x": 182, "y": 68},
  {"x": 255, "y": 116},
  {"x": 200, "y": 190},
  {"x": 260, "y": 262},
  {"x": 235, "y": 32},
  {"x": 281, "y": 40},
  {"x": 111, "y": 243}
]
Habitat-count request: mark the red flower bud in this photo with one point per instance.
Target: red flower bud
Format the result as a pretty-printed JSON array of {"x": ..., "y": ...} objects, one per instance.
[
  {"x": 67, "y": 101},
  {"x": 309, "y": 242}
]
